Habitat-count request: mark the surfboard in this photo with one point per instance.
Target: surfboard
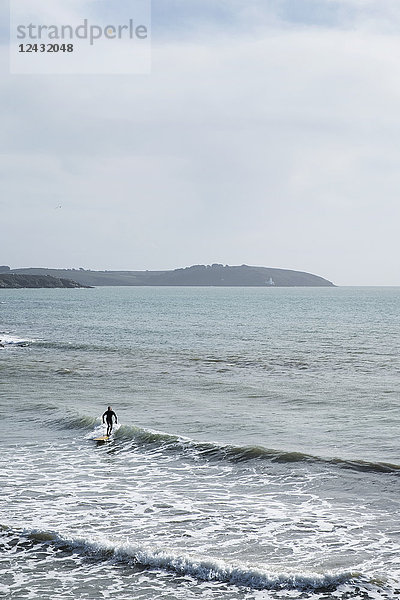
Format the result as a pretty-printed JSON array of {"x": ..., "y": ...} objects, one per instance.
[{"x": 103, "y": 438}]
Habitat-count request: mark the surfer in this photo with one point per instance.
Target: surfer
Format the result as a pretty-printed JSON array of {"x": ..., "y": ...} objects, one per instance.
[{"x": 109, "y": 414}]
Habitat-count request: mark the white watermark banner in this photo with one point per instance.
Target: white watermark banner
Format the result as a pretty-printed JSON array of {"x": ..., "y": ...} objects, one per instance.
[{"x": 80, "y": 36}]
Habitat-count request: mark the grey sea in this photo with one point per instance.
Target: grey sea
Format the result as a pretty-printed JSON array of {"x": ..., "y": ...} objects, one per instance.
[{"x": 256, "y": 456}]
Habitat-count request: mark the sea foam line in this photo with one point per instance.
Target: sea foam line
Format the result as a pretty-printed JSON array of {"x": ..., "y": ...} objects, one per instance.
[{"x": 203, "y": 569}]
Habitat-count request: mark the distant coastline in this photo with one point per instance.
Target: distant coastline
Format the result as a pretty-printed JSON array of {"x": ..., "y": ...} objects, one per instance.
[
  {"x": 14, "y": 281},
  {"x": 216, "y": 275}
]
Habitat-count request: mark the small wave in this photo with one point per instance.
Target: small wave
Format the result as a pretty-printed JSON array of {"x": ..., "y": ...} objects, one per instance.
[
  {"x": 65, "y": 371},
  {"x": 140, "y": 437},
  {"x": 365, "y": 465},
  {"x": 143, "y": 436},
  {"x": 12, "y": 340},
  {"x": 74, "y": 346},
  {"x": 213, "y": 451},
  {"x": 92, "y": 425},
  {"x": 203, "y": 569},
  {"x": 78, "y": 422}
]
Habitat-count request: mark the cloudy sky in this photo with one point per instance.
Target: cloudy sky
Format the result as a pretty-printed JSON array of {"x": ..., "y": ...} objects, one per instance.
[{"x": 267, "y": 133}]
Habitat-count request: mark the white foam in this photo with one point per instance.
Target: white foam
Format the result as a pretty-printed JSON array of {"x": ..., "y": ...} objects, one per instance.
[
  {"x": 12, "y": 340},
  {"x": 101, "y": 430}
]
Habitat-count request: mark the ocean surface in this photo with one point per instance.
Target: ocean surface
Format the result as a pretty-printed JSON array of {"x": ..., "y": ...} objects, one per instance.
[{"x": 257, "y": 453}]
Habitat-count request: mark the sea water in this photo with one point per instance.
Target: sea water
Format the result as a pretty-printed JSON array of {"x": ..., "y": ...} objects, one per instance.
[{"x": 256, "y": 456}]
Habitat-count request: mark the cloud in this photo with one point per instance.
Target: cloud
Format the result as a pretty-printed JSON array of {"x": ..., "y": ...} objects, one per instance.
[
  {"x": 201, "y": 18},
  {"x": 277, "y": 149}
]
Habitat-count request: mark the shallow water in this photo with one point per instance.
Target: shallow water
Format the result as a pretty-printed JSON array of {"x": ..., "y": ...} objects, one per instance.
[{"x": 257, "y": 456}]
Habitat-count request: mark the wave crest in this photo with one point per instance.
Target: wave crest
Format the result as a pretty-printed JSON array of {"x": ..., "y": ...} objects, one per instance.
[
  {"x": 214, "y": 451},
  {"x": 12, "y": 340},
  {"x": 136, "y": 437},
  {"x": 203, "y": 569}
]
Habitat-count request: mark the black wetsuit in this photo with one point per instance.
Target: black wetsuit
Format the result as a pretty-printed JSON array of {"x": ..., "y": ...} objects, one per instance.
[{"x": 109, "y": 414}]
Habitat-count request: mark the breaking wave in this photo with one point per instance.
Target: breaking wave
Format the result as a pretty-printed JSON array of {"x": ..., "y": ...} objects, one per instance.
[
  {"x": 213, "y": 451},
  {"x": 7, "y": 339},
  {"x": 133, "y": 437},
  {"x": 201, "y": 568}
]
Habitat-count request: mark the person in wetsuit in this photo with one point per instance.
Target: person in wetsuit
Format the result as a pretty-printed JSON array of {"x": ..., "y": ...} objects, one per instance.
[{"x": 108, "y": 415}]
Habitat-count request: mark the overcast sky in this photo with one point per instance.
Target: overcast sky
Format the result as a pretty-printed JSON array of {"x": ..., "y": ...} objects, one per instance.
[{"x": 268, "y": 133}]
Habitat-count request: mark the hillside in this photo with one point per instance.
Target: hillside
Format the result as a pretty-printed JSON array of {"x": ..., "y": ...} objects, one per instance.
[
  {"x": 15, "y": 281},
  {"x": 197, "y": 275}
]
